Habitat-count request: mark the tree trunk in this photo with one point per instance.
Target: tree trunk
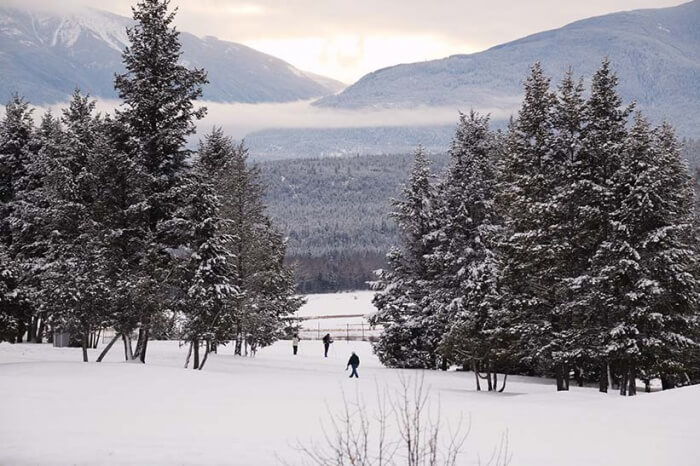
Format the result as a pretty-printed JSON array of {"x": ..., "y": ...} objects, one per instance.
[
  {"x": 237, "y": 348},
  {"x": 195, "y": 366},
  {"x": 505, "y": 377},
  {"x": 142, "y": 343},
  {"x": 476, "y": 375},
  {"x": 579, "y": 376},
  {"x": 108, "y": 347},
  {"x": 84, "y": 344},
  {"x": 558, "y": 371},
  {"x": 632, "y": 380},
  {"x": 623, "y": 379},
  {"x": 667, "y": 382},
  {"x": 488, "y": 376},
  {"x": 647, "y": 385},
  {"x": 603, "y": 378},
  {"x": 444, "y": 364},
  {"x": 128, "y": 351},
  {"x": 562, "y": 377},
  {"x": 142, "y": 355},
  {"x": 21, "y": 329},
  {"x": 206, "y": 355},
  {"x": 97, "y": 338},
  {"x": 495, "y": 380},
  {"x": 611, "y": 379},
  {"x": 189, "y": 355},
  {"x": 42, "y": 328},
  {"x": 33, "y": 325}
]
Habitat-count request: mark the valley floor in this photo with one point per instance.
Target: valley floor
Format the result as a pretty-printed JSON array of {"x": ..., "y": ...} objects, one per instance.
[{"x": 257, "y": 411}]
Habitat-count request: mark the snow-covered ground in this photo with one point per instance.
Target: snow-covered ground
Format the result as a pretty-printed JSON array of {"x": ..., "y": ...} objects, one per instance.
[
  {"x": 331, "y": 304},
  {"x": 255, "y": 411},
  {"x": 357, "y": 304}
]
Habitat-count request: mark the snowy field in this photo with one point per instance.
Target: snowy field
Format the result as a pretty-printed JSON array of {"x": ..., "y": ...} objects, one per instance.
[
  {"x": 329, "y": 304},
  {"x": 357, "y": 304},
  {"x": 255, "y": 411}
]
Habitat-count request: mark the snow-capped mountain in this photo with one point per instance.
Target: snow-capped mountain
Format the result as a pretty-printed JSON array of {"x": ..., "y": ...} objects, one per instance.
[
  {"x": 656, "y": 53},
  {"x": 45, "y": 55}
]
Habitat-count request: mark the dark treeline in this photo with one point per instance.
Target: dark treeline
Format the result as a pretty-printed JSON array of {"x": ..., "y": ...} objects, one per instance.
[
  {"x": 566, "y": 245},
  {"x": 110, "y": 221}
]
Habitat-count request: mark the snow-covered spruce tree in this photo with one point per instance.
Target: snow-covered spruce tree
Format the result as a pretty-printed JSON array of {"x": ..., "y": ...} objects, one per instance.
[
  {"x": 531, "y": 178},
  {"x": 32, "y": 230},
  {"x": 13, "y": 309},
  {"x": 693, "y": 356},
  {"x": 256, "y": 249},
  {"x": 16, "y": 148},
  {"x": 74, "y": 274},
  {"x": 603, "y": 142},
  {"x": 647, "y": 278},
  {"x": 204, "y": 274},
  {"x": 680, "y": 252},
  {"x": 465, "y": 288},
  {"x": 118, "y": 209},
  {"x": 562, "y": 348},
  {"x": 403, "y": 291},
  {"x": 270, "y": 289},
  {"x": 158, "y": 110}
]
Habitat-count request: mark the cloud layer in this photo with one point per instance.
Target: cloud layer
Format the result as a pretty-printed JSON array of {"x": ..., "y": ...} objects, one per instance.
[{"x": 238, "y": 120}]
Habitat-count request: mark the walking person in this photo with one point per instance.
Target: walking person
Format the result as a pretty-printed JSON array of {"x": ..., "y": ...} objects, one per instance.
[
  {"x": 353, "y": 362},
  {"x": 327, "y": 340},
  {"x": 295, "y": 344}
]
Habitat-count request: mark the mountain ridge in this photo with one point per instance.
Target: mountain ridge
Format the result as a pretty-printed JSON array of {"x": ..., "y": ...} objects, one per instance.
[
  {"x": 656, "y": 53},
  {"x": 45, "y": 55}
]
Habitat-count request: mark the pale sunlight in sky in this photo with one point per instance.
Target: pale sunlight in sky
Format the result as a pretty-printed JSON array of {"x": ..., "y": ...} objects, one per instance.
[{"x": 348, "y": 57}]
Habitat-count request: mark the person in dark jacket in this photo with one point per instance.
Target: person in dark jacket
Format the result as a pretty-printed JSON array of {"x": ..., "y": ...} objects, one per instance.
[
  {"x": 327, "y": 340},
  {"x": 353, "y": 362}
]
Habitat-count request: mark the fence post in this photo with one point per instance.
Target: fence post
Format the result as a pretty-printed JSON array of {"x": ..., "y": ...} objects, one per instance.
[
  {"x": 363, "y": 330},
  {"x": 318, "y": 335},
  {"x": 347, "y": 332}
]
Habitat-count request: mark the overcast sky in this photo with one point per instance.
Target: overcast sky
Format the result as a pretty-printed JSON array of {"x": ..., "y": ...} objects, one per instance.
[{"x": 346, "y": 39}]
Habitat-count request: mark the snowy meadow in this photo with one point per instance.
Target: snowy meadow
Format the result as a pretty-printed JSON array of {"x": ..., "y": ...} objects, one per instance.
[
  {"x": 56, "y": 410},
  {"x": 262, "y": 410}
]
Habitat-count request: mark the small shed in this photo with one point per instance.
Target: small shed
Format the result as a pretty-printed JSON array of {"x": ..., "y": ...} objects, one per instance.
[{"x": 61, "y": 339}]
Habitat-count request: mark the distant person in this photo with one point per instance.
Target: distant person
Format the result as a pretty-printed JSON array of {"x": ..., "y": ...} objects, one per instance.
[
  {"x": 295, "y": 344},
  {"x": 353, "y": 362},
  {"x": 327, "y": 340}
]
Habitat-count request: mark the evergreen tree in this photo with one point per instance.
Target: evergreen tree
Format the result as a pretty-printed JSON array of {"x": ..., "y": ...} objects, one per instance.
[
  {"x": 601, "y": 155},
  {"x": 158, "y": 112},
  {"x": 16, "y": 152},
  {"x": 75, "y": 270},
  {"x": 466, "y": 283},
  {"x": 256, "y": 250},
  {"x": 562, "y": 347},
  {"x": 403, "y": 296},
  {"x": 651, "y": 293},
  {"x": 16, "y": 134},
  {"x": 205, "y": 272},
  {"x": 13, "y": 309},
  {"x": 531, "y": 176},
  {"x": 118, "y": 208}
]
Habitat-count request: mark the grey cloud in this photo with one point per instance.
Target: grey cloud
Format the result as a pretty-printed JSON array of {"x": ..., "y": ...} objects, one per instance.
[{"x": 460, "y": 21}]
